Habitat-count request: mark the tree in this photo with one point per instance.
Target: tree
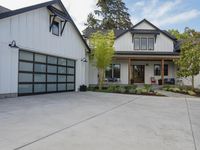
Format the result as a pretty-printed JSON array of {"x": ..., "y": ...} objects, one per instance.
[
  {"x": 113, "y": 13},
  {"x": 102, "y": 52},
  {"x": 189, "y": 61},
  {"x": 92, "y": 22}
]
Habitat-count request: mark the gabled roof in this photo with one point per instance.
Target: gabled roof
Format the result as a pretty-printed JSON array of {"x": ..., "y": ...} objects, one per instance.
[
  {"x": 89, "y": 31},
  {"x": 144, "y": 20},
  {"x": 3, "y": 9},
  {"x": 6, "y": 14}
]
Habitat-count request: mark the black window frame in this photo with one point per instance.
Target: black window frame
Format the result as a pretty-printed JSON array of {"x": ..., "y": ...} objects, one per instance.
[
  {"x": 166, "y": 69},
  {"x": 153, "y": 43},
  {"x": 111, "y": 67},
  {"x": 136, "y": 38},
  {"x": 57, "y": 24},
  {"x": 33, "y": 72},
  {"x": 155, "y": 73},
  {"x": 146, "y": 43}
]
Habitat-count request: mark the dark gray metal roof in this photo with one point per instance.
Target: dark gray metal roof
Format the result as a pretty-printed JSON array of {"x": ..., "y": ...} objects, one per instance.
[
  {"x": 89, "y": 31},
  {"x": 145, "y": 53},
  {"x": 49, "y": 3},
  {"x": 3, "y": 9},
  {"x": 144, "y": 31}
]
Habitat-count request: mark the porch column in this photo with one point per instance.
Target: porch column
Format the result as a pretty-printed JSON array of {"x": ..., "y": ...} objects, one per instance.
[
  {"x": 129, "y": 71},
  {"x": 162, "y": 70}
]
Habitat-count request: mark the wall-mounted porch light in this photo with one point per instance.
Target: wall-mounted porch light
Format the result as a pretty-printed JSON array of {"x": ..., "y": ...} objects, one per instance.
[
  {"x": 13, "y": 44},
  {"x": 84, "y": 60}
]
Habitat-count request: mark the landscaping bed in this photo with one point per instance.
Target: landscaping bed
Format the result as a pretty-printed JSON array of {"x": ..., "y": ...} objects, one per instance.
[
  {"x": 127, "y": 89},
  {"x": 182, "y": 89}
]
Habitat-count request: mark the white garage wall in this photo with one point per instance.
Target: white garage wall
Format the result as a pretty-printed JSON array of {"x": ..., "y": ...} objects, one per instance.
[{"x": 31, "y": 32}]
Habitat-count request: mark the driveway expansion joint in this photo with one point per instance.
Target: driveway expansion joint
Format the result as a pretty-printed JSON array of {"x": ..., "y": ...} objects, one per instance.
[
  {"x": 190, "y": 122},
  {"x": 80, "y": 122}
]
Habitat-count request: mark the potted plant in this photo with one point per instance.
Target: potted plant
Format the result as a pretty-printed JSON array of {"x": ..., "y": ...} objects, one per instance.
[{"x": 83, "y": 88}]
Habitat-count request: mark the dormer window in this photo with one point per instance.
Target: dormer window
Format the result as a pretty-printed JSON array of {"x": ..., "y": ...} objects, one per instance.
[
  {"x": 144, "y": 43},
  {"x": 55, "y": 28},
  {"x": 150, "y": 43}
]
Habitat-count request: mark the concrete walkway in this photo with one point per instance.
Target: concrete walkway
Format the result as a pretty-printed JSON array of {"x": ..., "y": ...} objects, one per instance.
[
  {"x": 172, "y": 94},
  {"x": 99, "y": 121}
]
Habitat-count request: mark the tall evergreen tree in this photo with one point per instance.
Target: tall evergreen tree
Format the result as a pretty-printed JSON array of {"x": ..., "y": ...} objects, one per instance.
[{"x": 114, "y": 15}]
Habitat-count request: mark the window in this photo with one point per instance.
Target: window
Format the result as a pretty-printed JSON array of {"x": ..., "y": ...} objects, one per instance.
[
  {"x": 108, "y": 72},
  {"x": 143, "y": 43},
  {"x": 136, "y": 43},
  {"x": 166, "y": 70},
  {"x": 55, "y": 28},
  {"x": 112, "y": 72},
  {"x": 151, "y": 44},
  {"x": 157, "y": 70}
]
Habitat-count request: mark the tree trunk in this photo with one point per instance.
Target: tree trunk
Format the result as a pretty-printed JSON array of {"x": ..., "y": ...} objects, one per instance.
[
  {"x": 193, "y": 82},
  {"x": 101, "y": 78}
]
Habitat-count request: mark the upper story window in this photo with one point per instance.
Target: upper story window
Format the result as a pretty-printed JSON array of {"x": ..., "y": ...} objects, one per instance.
[
  {"x": 151, "y": 44},
  {"x": 136, "y": 43},
  {"x": 55, "y": 28},
  {"x": 143, "y": 43}
]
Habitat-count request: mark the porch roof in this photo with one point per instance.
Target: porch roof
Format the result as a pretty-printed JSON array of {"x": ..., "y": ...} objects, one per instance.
[{"x": 146, "y": 55}]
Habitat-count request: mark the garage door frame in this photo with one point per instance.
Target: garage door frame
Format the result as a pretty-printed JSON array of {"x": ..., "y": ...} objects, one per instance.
[{"x": 46, "y": 74}]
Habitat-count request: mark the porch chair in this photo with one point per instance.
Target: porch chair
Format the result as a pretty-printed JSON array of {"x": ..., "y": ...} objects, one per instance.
[{"x": 153, "y": 80}]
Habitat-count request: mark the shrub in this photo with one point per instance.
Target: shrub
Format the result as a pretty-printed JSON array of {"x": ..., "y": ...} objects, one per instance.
[
  {"x": 144, "y": 91},
  {"x": 112, "y": 88},
  {"x": 149, "y": 88},
  {"x": 130, "y": 87},
  {"x": 121, "y": 89},
  {"x": 139, "y": 90},
  {"x": 132, "y": 91},
  {"x": 192, "y": 93}
]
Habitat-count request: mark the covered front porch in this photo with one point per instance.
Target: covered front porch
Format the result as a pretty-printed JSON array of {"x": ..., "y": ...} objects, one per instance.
[{"x": 140, "y": 69}]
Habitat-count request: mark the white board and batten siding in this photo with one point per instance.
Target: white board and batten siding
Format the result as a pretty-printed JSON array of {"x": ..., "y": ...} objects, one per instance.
[
  {"x": 30, "y": 30},
  {"x": 162, "y": 44}
]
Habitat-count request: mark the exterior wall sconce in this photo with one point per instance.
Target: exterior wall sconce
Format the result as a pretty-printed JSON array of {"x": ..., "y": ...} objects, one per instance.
[
  {"x": 84, "y": 60},
  {"x": 13, "y": 44}
]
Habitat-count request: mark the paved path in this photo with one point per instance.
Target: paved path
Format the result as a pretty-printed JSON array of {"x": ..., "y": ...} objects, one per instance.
[
  {"x": 99, "y": 121},
  {"x": 172, "y": 94}
]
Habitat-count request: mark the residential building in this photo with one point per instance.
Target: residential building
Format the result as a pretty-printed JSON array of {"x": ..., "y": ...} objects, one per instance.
[
  {"x": 41, "y": 51},
  {"x": 144, "y": 54}
]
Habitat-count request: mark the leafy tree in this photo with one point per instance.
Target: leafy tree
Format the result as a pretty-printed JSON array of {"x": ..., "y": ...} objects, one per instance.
[
  {"x": 189, "y": 62},
  {"x": 102, "y": 52},
  {"x": 113, "y": 13}
]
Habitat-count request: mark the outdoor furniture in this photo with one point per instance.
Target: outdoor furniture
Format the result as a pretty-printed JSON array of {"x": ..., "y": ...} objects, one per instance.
[
  {"x": 169, "y": 81},
  {"x": 153, "y": 80}
]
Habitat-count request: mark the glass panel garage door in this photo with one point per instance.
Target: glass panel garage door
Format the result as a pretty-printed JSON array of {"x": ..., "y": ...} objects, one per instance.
[{"x": 39, "y": 73}]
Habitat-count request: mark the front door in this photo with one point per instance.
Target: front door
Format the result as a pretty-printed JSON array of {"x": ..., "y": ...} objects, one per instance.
[{"x": 138, "y": 74}]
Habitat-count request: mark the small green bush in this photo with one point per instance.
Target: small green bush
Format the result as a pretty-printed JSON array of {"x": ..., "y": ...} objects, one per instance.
[
  {"x": 144, "y": 91},
  {"x": 132, "y": 91},
  {"x": 192, "y": 93},
  {"x": 112, "y": 88},
  {"x": 121, "y": 89},
  {"x": 138, "y": 90},
  {"x": 149, "y": 88}
]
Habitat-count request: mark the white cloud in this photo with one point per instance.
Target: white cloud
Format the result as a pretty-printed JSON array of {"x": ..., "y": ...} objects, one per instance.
[
  {"x": 78, "y": 9},
  {"x": 165, "y": 13}
]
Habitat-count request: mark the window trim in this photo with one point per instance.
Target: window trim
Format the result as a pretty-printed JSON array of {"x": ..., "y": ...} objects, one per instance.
[
  {"x": 58, "y": 25},
  {"x": 143, "y": 38},
  {"x": 167, "y": 70},
  {"x": 155, "y": 71},
  {"x": 153, "y": 44},
  {"x": 112, "y": 71},
  {"x": 139, "y": 43}
]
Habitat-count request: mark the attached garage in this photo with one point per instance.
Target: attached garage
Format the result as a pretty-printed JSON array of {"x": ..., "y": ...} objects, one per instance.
[
  {"x": 42, "y": 51},
  {"x": 40, "y": 73}
]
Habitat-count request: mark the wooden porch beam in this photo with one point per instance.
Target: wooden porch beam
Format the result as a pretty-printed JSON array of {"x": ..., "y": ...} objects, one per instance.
[
  {"x": 129, "y": 71},
  {"x": 162, "y": 70}
]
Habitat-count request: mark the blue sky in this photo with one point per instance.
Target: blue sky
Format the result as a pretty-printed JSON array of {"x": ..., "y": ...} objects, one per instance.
[{"x": 166, "y": 14}]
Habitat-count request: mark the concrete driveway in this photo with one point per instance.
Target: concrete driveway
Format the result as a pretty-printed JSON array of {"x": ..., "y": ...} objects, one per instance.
[{"x": 99, "y": 121}]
